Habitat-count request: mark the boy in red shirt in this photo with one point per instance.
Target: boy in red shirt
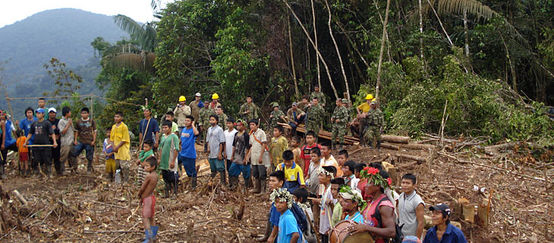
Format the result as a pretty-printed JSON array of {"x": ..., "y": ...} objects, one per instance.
[{"x": 306, "y": 150}]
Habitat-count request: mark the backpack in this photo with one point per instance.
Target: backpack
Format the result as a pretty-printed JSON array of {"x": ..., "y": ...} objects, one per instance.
[
  {"x": 377, "y": 215},
  {"x": 300, "y": 217}
]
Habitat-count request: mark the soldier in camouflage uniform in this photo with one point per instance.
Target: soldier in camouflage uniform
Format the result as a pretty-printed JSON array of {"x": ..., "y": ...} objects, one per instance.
[
  {"x": 276, "y": 115},
  {"x": 249, "y": 110},
  {"x": 339, "y": 119},
  {"x": 204, "y": 122},
  {"x": 315, "y": 116},
  {"x": 319, "y": 95},
  {"x": 375, "y": 122},
  {"x": 222, "y": 117}
]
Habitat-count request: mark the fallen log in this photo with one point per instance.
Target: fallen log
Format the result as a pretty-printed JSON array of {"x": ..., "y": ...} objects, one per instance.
[
  {"x": 417, "y": 146},
  {"x": 389, "y": 146},
  {"x": 20, "y": 197},
  {"x": 411, "y": 157},
  {"x": 395, "y": 139}
]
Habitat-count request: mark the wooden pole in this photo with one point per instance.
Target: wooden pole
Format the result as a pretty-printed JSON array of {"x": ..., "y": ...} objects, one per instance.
[{"x": 379, "y": 66}]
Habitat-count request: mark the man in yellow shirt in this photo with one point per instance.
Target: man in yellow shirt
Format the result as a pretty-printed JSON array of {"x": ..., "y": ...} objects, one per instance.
[
  {"x": 121, "y": 139},
  {"x": 294, "y": 177},
  {"x": 357, "y": 124}
]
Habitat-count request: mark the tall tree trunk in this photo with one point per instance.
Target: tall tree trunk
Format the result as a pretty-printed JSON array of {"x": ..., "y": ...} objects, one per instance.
[
  {"x": 379, "y": 66},
  {"x": 296, "y": 91},
  {"x": 337, "y": 49},
  {"x": 315, "y": 38},
  {"x": 510, "y": 64},
  {"x": 352, "y": 44},
  {"x": 466, "y": 33},
  {"x": 421, "y": 35},
  {"x": 316, "y": 49}
]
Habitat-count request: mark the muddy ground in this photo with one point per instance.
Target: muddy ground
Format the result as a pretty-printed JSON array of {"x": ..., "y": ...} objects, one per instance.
[{"x": 87, "y": 207}]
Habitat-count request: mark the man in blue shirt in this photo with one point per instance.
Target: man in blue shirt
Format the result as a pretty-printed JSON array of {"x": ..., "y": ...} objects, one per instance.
[
  {"x": 149, "y": 129},
  {"x": 187, "y": 155},
  {"x": 25, "y": 124},
  {"x": 443, "y": 231}
]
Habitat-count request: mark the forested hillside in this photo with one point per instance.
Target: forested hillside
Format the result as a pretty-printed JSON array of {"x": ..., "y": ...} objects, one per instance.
[
  {"x": 65, "y": 34},
  {"x": 481, "y": 68}
]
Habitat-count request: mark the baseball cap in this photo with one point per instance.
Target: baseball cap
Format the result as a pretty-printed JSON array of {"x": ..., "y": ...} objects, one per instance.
[
  {"x": 294, "y": 104},
  {"x": 441, "y": 207},
  {"x": 197, "y": 94},
  {"x": 52, "y": 109},
  {"x": 40, "y": 110}
]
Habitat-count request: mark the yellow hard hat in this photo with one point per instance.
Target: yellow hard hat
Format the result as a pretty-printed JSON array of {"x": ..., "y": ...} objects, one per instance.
[
  {"x": 182, "y": 98},
  {"x": 369, "y": 97},
  {"x": 215, "y": 96}
]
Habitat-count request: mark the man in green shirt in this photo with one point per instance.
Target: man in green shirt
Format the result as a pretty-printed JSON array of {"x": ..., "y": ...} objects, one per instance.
[
  {"x": 276, "y": 116},
  {"x": 168, "y": 153},
  {"x": 249, "y": 110},
  {"x": 315, "y": 116},
  {"x": 319, "y": 95}
]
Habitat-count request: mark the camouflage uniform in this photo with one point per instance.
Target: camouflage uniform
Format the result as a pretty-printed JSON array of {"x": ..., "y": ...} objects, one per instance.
[
  {"x": 315, "y": 116},
  {"x": 276, "y": 117},
  {"x": 204, "y": 120},
  {"x": 320, "y": 97},
  {"x": 222, "y": 121},
  {"x": 375, "y": 122},
  {"x": 253, "y": 111},
  {"x": 339, "y": 128}
]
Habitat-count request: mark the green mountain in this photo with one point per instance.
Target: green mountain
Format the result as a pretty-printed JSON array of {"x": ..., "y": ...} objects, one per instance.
[{"x": 65, "y": 34}]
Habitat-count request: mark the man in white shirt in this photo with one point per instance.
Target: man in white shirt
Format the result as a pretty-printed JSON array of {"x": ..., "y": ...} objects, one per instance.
[
  {"x": 410, "y": 208},
  {"x": 229, "y": 137}
]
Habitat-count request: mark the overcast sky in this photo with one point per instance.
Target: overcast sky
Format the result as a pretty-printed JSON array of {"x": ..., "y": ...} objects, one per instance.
[{"x": 15, "y": 10}]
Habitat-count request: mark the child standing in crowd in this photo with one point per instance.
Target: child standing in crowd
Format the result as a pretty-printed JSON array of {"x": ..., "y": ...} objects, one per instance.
[
  {"x": 67, "y": 134},
  {"x": 216, "y": 145},
  {"x": 294, "y": 178},
  {"x": 240, "y": 163},
  {"x": 277, "y": 146},
  {"x": 144, "y": 154},
  {"x": 147, "y": 199},
  {"x": 328, "y": 159},
  {"x": 336, "y": 184},
  {"x": 325, "y": 202},
  {"x": 121, "y": 139},
  {"x": 312, "y": 178},
  {"x": 306, "y": 149},
  {"x": 148, "y": 128},
  {"x": 42, "y": 131},
  {"x": 258, "y": 145},
  {"x": 23, "y": 153},
  {"x": 348, "y": 172},
  {"x": 342, "y": 157},
  {"x": 301, "y": 199},
  {"x": 109, "y": 153},
  {"x": 168, "y": 153},
  {"x": 295, "y": 147},
  {"x": 85, "y": 137},
  {"x": 229, "y": 137},
  {"x": 289, "y": 231},
  {"x": 170, "y": 116}
]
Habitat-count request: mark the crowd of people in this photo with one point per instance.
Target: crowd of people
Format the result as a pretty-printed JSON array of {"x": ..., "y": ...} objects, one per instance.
[{"x": 315, "y": 196}]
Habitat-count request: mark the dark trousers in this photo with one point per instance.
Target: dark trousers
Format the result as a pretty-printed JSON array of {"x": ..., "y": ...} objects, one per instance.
[
  {"x": 89, "y": 149},
  {"x": 259, "y": 172},
  {"x": 324, "y": 238},
  {"x": 42, "y": 157},
  {"x": 56, "y": 158}
]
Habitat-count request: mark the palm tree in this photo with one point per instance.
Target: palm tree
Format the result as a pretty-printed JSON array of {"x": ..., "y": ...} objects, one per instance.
[{"x": 145, "y": 36}]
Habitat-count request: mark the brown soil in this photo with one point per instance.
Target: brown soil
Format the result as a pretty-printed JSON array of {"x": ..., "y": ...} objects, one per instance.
[{"x": 87, "y": 207}]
